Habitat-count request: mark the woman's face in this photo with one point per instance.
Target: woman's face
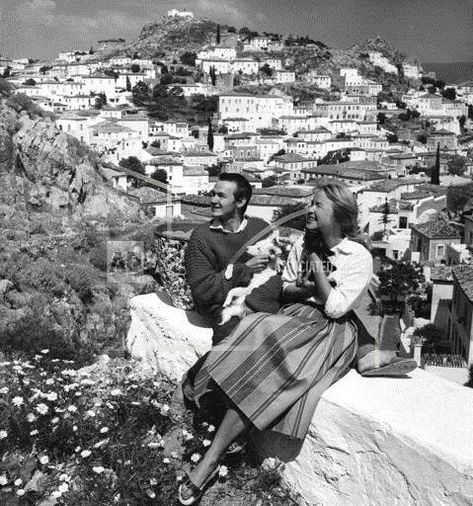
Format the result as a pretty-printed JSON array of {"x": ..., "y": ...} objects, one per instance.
[{"x": 320, "y": 216}]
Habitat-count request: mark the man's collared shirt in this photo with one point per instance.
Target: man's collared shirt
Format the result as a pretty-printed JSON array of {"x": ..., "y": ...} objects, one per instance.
[{"x": 217, "y": 225}]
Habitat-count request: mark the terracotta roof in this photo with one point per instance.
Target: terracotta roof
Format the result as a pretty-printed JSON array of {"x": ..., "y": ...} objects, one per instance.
[
  {"x": 285, "y": 191},
  {"x": 441, "y": 273},
  {"x": 463, "y": 275},
  {"x": 437, "y": 228}
]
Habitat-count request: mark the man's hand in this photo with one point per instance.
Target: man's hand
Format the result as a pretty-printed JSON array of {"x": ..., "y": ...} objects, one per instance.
[{"x": 257, "y": 263}]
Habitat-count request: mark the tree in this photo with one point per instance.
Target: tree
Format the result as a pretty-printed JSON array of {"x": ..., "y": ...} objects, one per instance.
[
  {"x": 385, "y": 217},
  {"x": 266, "y": 70},
  {"x": 435, "y": 177},
  {"x": 396, "y": 281},
  {"x": 469, "y": 383},
  {"x": 470, "y": 112},
  {"x": 91, "y": 50},
  {"x": 141, "y": 94},
  {"x": 188, "y": 58},
  {"x": 381, "y": 118},
  {"x": 432, "y": 335},
  {"x": 161, "y": 176},
  {"x": 216, "y": 169},
  {"x": 213, "y": 76},
  {"x": 134, "y": 164},
  {"x": 30, "y": 82},
  {"x": 449, "y": 93},
  {"x": 422, "y": 138},
  {"x": 217, "y": 38},
  {"x": 392, "y": 138},
  {"x": 128, "y": 84},
  {"x": 100, "y": 100},
  {"x": 166, "y": 79},
  {"x": 44, "y": 69},
  {"x": 135, "y": 68},
  {"x": 269, "y": 181},
  {"x": 462, "y": 121},
  {"x": 457, "y": 165},
  {"x": 336, "y": 156},
  {"x": 210, "y": 135},
  {"x": 6, "y": 72}
]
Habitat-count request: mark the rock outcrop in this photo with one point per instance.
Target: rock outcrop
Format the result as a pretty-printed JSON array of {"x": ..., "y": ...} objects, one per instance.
[{"x": 373, "y": 441}]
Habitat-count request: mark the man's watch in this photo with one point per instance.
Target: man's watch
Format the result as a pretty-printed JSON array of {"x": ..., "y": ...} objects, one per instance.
[{"x": 229, "y": 272}]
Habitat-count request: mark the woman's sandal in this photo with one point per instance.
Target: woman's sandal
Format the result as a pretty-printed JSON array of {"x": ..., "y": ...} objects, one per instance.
[{"x": 196, "y": 491}]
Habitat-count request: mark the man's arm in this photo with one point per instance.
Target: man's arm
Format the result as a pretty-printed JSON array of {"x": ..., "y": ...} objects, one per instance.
[{"x": 210, "y": 286}]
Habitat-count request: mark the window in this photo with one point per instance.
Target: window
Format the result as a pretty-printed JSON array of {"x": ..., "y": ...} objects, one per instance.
[
  {"x": 440, "y": 251},
  {"x": 402, "y": 221}
]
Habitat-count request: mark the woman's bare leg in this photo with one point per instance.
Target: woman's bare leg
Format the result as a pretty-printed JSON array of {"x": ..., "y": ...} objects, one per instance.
[{"x": 233, "y": 424}]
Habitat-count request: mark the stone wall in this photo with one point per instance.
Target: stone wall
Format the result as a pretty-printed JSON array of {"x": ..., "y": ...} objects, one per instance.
[{"x": 372, "y": 441}]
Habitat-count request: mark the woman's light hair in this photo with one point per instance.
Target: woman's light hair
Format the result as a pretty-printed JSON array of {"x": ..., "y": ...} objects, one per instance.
[{"x": 345, "y": 208}]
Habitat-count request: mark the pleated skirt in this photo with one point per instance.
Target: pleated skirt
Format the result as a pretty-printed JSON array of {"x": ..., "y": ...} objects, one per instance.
[{"x": 275, "y": 367}]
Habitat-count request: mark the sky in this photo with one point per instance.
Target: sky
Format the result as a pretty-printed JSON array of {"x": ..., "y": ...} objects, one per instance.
[{"x": 426, "y": 30}]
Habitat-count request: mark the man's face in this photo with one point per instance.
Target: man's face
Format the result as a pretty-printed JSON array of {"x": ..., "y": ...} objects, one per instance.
[{"x": 223, "y": 203}]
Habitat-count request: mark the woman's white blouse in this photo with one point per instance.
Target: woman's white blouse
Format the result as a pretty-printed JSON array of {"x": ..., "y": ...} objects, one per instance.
[{"x": 350, "y": 279}]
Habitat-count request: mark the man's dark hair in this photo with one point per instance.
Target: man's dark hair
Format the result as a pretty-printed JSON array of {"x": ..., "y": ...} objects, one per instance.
[{"x": 243, "y": 189}]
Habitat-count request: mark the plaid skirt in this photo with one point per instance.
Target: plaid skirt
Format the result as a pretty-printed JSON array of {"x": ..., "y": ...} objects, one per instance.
[{"x": 275, "y": 367}]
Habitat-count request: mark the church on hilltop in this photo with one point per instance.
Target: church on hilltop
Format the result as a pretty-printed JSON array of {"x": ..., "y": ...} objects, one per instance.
[{"x": 174, "y": 13}]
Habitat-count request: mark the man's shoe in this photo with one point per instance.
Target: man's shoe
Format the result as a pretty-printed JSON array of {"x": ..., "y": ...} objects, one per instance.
[{"x": 397, "y": 367}]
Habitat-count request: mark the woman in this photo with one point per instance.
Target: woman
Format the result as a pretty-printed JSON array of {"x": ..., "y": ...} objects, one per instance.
[{"x": 273, "y": 369}]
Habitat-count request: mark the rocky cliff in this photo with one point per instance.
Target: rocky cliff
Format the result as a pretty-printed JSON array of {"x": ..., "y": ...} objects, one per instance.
[{"x": 57, "y": 214}]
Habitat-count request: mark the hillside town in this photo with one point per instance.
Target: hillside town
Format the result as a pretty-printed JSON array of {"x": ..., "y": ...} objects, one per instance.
[{"x": 250, "y": 103}]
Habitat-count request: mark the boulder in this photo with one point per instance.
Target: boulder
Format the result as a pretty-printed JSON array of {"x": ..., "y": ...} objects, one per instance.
[
  {"x": 372, "y": 441},
  {"x": 166, "y": 338}
]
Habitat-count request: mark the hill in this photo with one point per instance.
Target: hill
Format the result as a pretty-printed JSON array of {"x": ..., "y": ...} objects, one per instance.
[
  {"x": 454, "y": 73},
  {"x": 58, "y": 212}
]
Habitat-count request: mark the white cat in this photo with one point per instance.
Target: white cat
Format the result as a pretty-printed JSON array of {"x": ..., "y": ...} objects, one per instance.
[{"x": 234, "y": 304}]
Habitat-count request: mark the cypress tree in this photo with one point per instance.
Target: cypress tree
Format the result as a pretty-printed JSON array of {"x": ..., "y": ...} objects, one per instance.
[
  {"x": 210, "y": 135},
  {"x": 435, "y": 178},
  {"x": 218, "y": 35}
]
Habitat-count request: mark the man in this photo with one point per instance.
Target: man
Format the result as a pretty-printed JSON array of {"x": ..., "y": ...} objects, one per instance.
[
  {"x": 216, "y": 260},
  {"x": 214, "y": 266}
]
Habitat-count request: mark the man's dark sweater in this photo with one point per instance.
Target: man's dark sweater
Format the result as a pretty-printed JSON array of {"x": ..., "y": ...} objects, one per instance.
[{"x": 208, "y": 254}]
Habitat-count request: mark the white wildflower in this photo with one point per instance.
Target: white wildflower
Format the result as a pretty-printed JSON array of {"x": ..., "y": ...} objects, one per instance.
[
  {"x": 223, "y": 471},
  {"x": 211, "y": 428},
  {"x": 17, "y": 401},
  {"x": 3, "y": 480},
  {"x": 55, "y": 420},
  {"x": 115, "y": 392},
  {"x": 74, "y": 428},
  {"x": 72, "y": 408},
  {"x": 64, "y": 477},
  {"x": 30, "y": 418},
  {"x": 101, "y": 443},
  {"x": 98, "y": 469},
  {"x": 34, "y": 432},
  {"x": 3, "y": 434},
  {"x": 51, "y": 396},
  {"x": 63, "y": 488},
  {"x": 18, "y": 482},
  {"x": 78, "y": 449},
  {"x": 44, "y": 460},
  {"x": 153, "y": 482},
  {"x": 166, "y": 460},
  {"x": 206, "y": 442},
  {"x": 151, "y": 494},
  {"x": 56, "y": 494},
  {"x": 45, "y": 351},
  {"x": 85, "y": 453},
  {"x": 49, "y": 381},
  {"x": 195, "y": 457},
  {"x": 90, "y": 413},
  {"x": 20, "y": 492},
  {"x": 4, "y": 390},
  {"x": 104, "y": 430},
  {"x": 42, "y": 409}
]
